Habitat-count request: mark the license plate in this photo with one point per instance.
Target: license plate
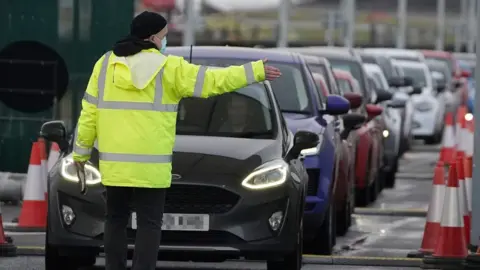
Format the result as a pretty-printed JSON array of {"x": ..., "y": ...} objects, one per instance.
[{"x": 181, "y": 222}]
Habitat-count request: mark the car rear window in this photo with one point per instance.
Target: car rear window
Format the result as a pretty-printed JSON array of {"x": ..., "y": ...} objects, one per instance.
[
  {"x": 290, "y": 89},
  {"x": 246, "y": 113}
]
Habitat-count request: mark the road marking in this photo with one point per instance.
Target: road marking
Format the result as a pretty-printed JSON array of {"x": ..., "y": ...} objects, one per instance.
[
  {"x": 390, "y": 212},
  {"x": 362, "y": 258},
  {"x": 24, "y": 233}
]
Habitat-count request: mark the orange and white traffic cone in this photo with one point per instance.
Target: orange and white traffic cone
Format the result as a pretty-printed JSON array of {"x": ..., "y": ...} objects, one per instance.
[
  {"x": 33, "y": 216},
  {"x": 53, "y": 156},
  {"x": 448, "y": 141},
  {"x": 468, "y": 163},
  {"x": 434, "y": 214},
  {"x": 451, "y": 248},
  {"x": 43, "y": 160},
  {"x": 462, "y": 191},
  {"x": 460, "y": 132},
  {"x": 7, "y": 248}
]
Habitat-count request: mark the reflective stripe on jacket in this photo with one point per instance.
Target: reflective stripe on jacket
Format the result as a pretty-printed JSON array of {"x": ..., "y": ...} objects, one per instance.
[{"x": 130, "y": 107}]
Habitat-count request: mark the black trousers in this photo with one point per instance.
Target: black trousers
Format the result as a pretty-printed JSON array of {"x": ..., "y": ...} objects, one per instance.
[{"x": 148, "y": 204}]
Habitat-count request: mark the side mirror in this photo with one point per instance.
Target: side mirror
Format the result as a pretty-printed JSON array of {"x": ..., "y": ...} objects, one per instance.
[
  {"x": 397, "y": 103},
  {"x": 457, "y": 84},
  {"x": 303, "y": 140},
  {"x": 465, "y": 74},
  {"x": 416, "y": 90},
  {"x": 55, "y": 131},
  {"x": 373, "y": 111},
  {"x": 336, "y": 105},
  {"x": 396, "y": 82},
  {"x": 407, "y": 81},
  {"x": 355, "y": 100},
  {"x": 351, "y": 122},
  {"x": 383, "y": 95}
]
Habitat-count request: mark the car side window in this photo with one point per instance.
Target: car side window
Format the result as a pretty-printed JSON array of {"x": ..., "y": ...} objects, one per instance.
[{"x": 320, "y": 102}]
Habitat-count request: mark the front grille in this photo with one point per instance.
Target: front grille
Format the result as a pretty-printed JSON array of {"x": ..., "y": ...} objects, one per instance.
[
  {"x": 313, "y": 175},
  {"x": 197, "y": 199}
]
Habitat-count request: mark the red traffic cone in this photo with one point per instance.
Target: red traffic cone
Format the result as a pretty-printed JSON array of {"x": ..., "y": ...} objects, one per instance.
[
  {"x": 7, "y": 248},
  {"x": 462, "y": 191},
  {"x": 448, "y": 142},
  {"x": 434, "y": 214},
  {"x": 33, "y": 216},
  {"x": 451, "y": 248}
]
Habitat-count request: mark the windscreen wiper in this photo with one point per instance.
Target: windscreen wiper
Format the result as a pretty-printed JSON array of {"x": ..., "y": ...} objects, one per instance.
[
  {"x": 254, "y": 134},
  {"x": 293, "y": 111}
]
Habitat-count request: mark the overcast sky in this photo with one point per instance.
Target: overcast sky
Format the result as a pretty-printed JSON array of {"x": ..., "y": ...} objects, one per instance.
[{"x": 238, "y": 5}]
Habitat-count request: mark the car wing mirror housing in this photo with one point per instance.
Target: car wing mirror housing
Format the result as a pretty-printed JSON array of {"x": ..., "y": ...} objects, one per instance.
[
  {"x": 397, "y": 103},
  {"x": 383, "y": 95},
  {"x": 351, "y": 121},
  {"x": 355, "y": 100},
  {"x": 416, "y": 90},
  {"x": 336, "y": 105},
  {"x": 303, "y": 140},
  {"x": 55, "y": 131},
  {"x": 373, "y": 111}
]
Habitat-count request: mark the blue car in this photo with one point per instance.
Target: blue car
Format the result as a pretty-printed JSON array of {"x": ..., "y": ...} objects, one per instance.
[
  {"x": 467, "y": 66},
  {"x": 303, "y": 109}
]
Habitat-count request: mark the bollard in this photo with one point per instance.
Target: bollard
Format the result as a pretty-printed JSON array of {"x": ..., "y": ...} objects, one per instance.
[{"x": 11, "y": 187}]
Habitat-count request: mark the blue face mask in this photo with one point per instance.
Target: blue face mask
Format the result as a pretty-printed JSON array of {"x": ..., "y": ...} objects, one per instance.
[{"x": 164, "y": 45}]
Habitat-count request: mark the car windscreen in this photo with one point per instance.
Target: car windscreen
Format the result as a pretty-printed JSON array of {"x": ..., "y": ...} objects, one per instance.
[
  {"x": 417, "y": 75},
  {"x": 448, "y": 62},
  {"x": 350, "y": 66},
  {"x": 344, "y": 86},
  {"x": 246, "y": 113},
  {"x": 290, "y": 89},
  {"x": 442, "y": 69}
]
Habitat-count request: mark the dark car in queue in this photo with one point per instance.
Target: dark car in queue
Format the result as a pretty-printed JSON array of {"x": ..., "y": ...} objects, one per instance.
[
  {"x": 303, "y": 109},
  {"x": 238, "y": 188}
]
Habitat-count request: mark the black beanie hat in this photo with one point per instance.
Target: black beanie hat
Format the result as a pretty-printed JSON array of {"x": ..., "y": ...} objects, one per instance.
[{"x": 146, "y": 24}]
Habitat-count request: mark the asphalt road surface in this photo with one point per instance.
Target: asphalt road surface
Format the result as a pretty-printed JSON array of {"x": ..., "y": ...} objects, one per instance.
[{"x": 381, "y": 236}]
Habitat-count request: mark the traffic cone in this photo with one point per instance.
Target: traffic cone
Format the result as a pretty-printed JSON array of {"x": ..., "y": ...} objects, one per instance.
[
  {"x": 451, "y": 248},
  {"x": 53, "y": 156},
  {"x": 7, "y": 248},
  {"x": 468, "y": 163},
  {"x": 33, "y": 216},
  {"x": 43, "y": 160},
  {"x": 434, "y": 214},
  {"x": 462, "y": 190},
  {"x": 448, "y": 141}
]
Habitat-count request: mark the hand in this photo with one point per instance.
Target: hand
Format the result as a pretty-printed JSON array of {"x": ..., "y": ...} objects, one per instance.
[
  {"x": 82, "y": 181},
  {"x": 271, "y": 73}
]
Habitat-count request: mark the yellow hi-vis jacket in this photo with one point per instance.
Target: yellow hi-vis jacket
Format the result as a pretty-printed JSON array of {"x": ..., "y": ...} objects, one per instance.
[{"x": 130, "y": 108}]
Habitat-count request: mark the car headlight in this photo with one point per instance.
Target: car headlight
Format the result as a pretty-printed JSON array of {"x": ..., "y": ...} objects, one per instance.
[
  {"x": 385, "y": 133},
  {"x": 314, "y": 150},
  {"x": 269, "y": 175},
  {"x": 469, "y": 117},
  {"x": 69, "y": 172},
  {"x": 423, "y": 106}
]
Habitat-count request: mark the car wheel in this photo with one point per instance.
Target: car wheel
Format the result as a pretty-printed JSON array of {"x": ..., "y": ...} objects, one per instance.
[
  {"x": 390, "y": 176},
  {"x": 374, "y": 190},
  {"x": 343, "y": 218},
  {"x": 325, "y": 240},
  {"x": 362, "y": 195},
  {"x": 54, "y": 258},
  {"x": 293, "y": 260}
]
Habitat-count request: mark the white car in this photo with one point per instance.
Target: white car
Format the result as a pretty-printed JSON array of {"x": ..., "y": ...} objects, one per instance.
[
  {"x": 430, "y": 105},
  {"x": 398, "y": 54}
]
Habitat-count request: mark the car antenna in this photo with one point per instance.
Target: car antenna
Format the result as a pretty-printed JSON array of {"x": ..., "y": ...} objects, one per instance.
[{"x": 191, "y": 51}]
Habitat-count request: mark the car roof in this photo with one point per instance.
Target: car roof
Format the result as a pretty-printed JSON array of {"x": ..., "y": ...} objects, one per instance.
[
  {"x": 439, "y": 54},
  {"x": 235, "y": 53},
  {"x": 395, "y": 52},
  {"x": 312, "y": 59},
  {"x": 372, "y": 67},
  {"x": 411, "y": 64},
  {"x": 325, "y": 52}
]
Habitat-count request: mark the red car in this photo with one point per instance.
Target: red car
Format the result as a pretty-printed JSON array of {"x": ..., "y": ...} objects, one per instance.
[
  {"x": 368, "y": 145},
  {"x": 452, "y": 64},
  {"x": 345, "y": 167}
]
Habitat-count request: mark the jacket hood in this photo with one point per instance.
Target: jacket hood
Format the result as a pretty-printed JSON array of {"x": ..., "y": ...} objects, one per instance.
[{"x": 136, "y": 72}]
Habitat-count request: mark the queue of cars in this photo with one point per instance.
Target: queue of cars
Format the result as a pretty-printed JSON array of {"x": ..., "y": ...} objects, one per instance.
[{"x": 306, "y": 149}]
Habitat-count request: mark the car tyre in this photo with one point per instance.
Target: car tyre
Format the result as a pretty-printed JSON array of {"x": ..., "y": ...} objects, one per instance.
[
  {"x": 363, "y": 195},
  {"x": 293, "y": 260},
  {"x": 343, "y": 218},
  {"x": 323, "y": 243},
  {"x": 390, "y": 176},
  {"x": 55, "y": 260}
]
